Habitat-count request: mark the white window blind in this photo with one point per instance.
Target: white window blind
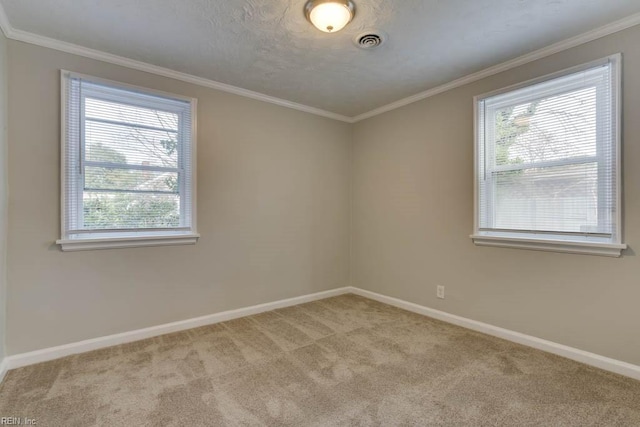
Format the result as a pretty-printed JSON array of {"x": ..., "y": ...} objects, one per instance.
[
  {"x": 127, "y": 161},
  {"x": 547, "y": 158}
]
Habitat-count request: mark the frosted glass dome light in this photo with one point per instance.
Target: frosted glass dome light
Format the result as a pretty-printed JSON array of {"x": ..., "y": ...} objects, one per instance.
[{"x": 330, "y": 16}]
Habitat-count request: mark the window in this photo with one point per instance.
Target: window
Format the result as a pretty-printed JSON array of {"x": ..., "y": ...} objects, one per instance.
[
  {"x": 127, "y": 166},
  {"x": 547, "y": 163}
]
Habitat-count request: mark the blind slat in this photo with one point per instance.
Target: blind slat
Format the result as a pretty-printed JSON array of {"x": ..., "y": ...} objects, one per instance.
[
  {"x": 547, "y": 156},
  {"x": 128, "y": 159}
]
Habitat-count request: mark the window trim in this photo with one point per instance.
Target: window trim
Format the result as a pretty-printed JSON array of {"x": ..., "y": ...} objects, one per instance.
[
  {"x": 544, "y": 242},
  {"x": 133, "y": 238}
]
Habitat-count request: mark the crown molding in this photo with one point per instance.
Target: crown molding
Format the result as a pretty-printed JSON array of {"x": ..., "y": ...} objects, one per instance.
[
  {"x": 35, "y": 39},
  {"x": 563, "y": 45}
]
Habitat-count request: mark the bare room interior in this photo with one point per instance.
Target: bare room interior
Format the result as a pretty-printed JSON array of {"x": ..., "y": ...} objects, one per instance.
[{"x": 320, "y": 212}]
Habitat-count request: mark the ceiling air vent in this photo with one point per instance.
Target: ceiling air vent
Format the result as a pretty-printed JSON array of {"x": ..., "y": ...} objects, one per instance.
[{"x": 369, "y": 40}]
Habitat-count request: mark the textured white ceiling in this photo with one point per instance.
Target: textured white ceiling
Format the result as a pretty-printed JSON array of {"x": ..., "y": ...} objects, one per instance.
[{"x": 267, "y": 45}]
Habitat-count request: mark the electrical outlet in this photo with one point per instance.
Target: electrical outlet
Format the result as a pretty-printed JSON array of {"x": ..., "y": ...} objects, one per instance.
[{"x": 440, "y": 292}]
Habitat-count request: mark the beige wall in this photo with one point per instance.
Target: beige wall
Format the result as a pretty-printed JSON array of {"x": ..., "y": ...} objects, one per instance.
[
  {"x": 273, "y": 212},
  {"x": 3, "y": 189},
  {"x": 413, "y": 214}
]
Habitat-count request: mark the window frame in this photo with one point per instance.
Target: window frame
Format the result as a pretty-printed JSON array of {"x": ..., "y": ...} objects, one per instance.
[
  {"x": 72, "y": 240},
  {"x": 545, "y": 241}
]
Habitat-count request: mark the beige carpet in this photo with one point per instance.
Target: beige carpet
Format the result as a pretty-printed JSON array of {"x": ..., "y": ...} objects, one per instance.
[{"x": 341, "y": 361}]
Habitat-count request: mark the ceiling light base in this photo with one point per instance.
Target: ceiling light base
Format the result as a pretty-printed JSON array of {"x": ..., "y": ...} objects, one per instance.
[{"x": 329, "y": 16}]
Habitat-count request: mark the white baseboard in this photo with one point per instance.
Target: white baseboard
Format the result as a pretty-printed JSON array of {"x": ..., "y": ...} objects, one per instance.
[
  {"x": 46, "y": 354},
  {"x": 4, "y": 367},
  {"x": 592, "y": 359}
]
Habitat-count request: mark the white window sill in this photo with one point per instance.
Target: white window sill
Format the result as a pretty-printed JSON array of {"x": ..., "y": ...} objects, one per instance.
[
  {"x": 88, "y": 244},
  {"x": 551, "y": 245}
]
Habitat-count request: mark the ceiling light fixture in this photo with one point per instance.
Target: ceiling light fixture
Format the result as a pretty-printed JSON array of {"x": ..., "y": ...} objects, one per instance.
[{"x": 330, "y": 16}]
